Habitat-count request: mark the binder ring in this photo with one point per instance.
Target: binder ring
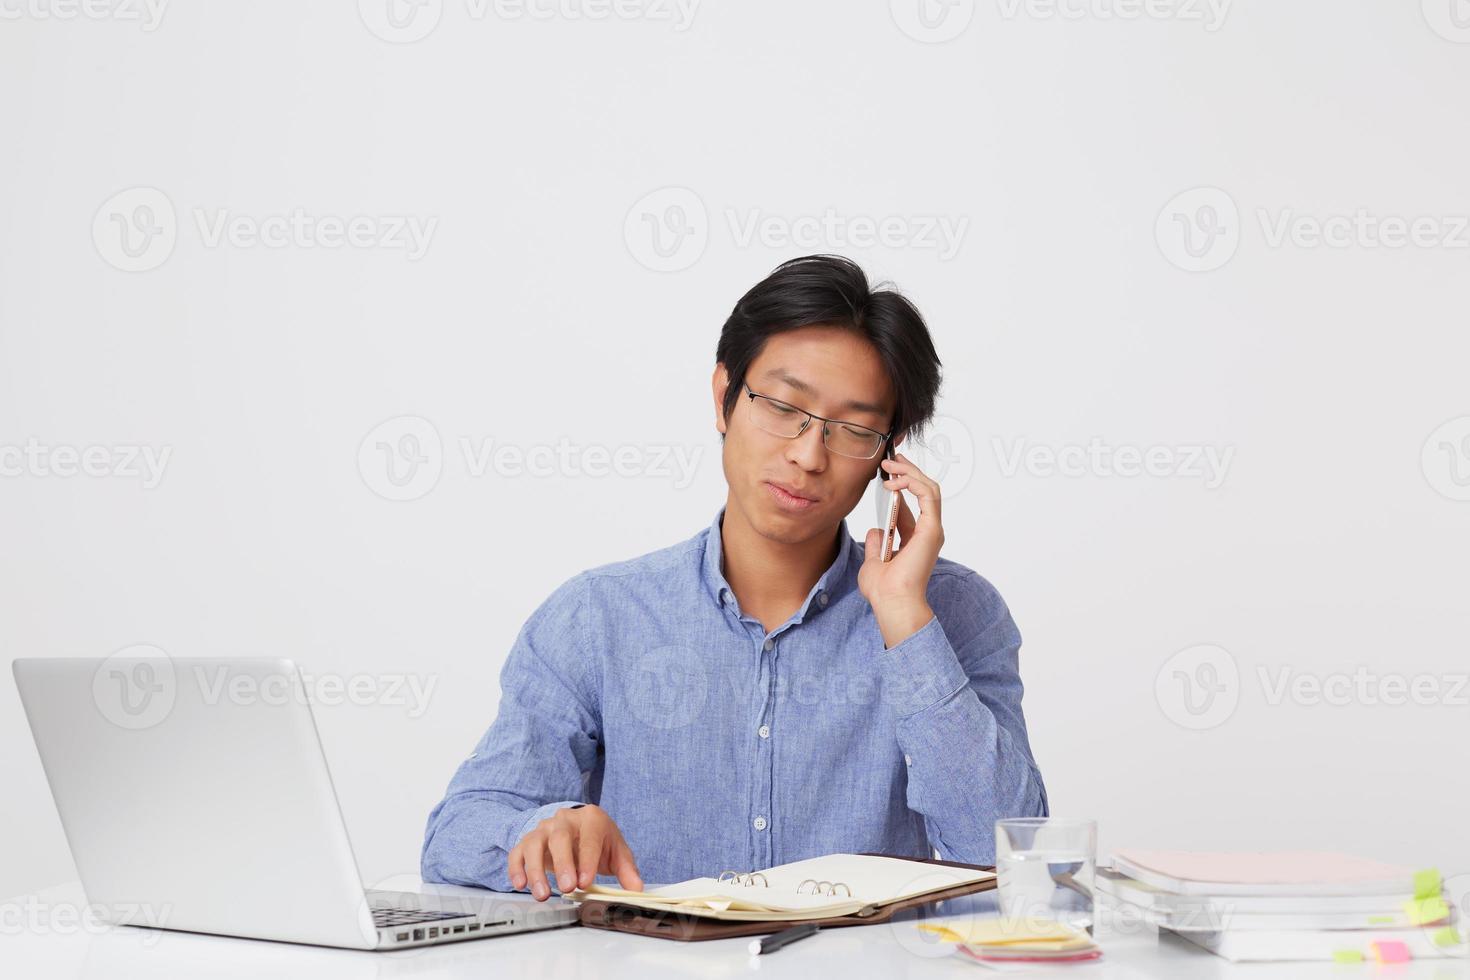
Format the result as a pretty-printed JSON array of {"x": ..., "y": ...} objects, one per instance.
[
  {"x": 744, "y": 879},
  {"x": 823, "y": 887}
]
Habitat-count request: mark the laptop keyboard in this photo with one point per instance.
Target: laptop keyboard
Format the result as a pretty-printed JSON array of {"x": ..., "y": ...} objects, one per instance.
[{"x": 383, "y": 918}]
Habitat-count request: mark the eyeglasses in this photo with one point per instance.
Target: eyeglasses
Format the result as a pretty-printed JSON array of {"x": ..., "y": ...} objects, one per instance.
[{"x": 843, "y": 438}]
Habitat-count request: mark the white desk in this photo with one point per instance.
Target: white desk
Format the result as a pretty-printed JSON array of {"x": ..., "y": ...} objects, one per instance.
[{"x": 890, "y": 951}]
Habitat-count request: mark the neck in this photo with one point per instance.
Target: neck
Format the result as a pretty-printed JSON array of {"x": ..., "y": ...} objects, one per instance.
[{"x": 765, "y": 573}]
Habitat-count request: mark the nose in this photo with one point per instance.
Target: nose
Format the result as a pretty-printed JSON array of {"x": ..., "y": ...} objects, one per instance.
[{"x": 807, "y": 450}]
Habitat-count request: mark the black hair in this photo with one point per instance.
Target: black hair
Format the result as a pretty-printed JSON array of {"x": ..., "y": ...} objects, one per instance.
[{"x": 829, "y": 290}]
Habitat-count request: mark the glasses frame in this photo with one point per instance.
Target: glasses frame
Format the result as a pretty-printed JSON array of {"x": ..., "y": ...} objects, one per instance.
[{"x": 883, "y": 437}]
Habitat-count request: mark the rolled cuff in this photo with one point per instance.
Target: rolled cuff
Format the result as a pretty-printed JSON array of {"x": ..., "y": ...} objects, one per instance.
[{"x": 921, "y": 671}]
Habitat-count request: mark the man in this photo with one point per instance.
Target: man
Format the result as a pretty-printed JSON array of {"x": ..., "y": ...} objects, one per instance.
[{"x": 768, "y": 690}]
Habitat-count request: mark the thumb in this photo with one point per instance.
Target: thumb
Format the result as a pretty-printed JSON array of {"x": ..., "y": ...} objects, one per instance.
[{"x": 873, "y": 546}]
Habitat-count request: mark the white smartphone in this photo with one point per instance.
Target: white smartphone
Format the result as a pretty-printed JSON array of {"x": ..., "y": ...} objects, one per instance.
[{"x": 887, "y": 509}]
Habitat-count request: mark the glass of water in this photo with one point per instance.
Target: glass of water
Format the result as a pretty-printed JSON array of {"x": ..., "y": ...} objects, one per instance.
[{"x": 1044, "y": 868}]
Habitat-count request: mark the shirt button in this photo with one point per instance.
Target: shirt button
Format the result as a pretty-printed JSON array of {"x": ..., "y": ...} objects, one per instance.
[
  {"x": 907, "y": 760},
  {"x": 759, "y": 823},
  {"x": 765, "y": 731},
  {"x": 822, "y": 599},
  {"x": 770, "y": 645}
]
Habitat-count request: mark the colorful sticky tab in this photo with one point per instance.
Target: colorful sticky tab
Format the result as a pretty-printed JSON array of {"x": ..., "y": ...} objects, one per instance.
[
  {"x": 1380, "y": 920},
  {"x": 1427, "y": 883},
  {"x": 1448, "y": 936},
  {"x": 1386, "y": 951},
  {"x": 1347, "y": 956},
  {"x": 1422, "y": 911}
]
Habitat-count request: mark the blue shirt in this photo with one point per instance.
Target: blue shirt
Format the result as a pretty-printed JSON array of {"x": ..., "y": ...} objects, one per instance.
[{"x": 642, "y": 687}]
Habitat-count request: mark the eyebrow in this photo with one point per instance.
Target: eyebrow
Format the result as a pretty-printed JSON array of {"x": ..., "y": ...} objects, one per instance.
[{"x": 781, "y": 375}]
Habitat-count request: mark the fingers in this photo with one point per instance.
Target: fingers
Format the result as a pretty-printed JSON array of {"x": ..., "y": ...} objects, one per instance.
[
  {"x": 577, "y": 846},
  {"x": 590, "y": 848},
  {"x": 623, "y": 865},
  {"x": 535, "y": 847},
  {"x": 559, "y": 843},
  {"x": 515, "y": 866},
  {"x": 907, "y": 476}
]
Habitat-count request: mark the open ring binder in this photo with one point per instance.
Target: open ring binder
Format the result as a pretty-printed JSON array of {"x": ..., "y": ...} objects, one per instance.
[{"x": 671, "y": 923}]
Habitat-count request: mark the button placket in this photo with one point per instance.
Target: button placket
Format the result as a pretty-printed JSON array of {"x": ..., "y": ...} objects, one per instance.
[{"x": 764, "y": 783}]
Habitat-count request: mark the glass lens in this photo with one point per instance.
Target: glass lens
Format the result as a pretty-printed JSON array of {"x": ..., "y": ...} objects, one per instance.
[
  {"x": 851, "y": 440},
  {"x": 776, "y": 417}
]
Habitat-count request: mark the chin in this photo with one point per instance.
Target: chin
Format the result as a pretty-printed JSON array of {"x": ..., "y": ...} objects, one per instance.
[{"x": 779, "y": 525}]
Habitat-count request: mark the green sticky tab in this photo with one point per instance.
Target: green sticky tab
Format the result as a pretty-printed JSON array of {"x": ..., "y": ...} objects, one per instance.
[
  {"x": 1347, "y": 956},
  {"x": 1422, "y": 911},
  {"x": 1448, "y": 936},
  {"x": 1380, "y": 920},
  {"x": 1427, "y": 883}
]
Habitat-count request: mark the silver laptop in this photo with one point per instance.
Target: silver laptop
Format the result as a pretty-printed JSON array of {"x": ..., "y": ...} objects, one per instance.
[{"x": 195, "y": 796}]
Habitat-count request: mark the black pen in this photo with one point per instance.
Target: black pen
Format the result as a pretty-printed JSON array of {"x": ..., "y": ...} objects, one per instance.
[{"x": 785, "y": 937}]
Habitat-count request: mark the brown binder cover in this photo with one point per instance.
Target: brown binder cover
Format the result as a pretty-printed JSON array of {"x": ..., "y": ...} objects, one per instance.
[{"x": 690, "y": 928}]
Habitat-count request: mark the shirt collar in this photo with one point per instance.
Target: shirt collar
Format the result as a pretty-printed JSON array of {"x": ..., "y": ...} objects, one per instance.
[{"x": 833, "y": 584}]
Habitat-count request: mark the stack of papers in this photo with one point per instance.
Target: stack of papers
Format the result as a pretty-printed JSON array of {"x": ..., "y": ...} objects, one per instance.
[
  {"x": 1016, "y": 940},
  {"x": 1288, "y": 905}
]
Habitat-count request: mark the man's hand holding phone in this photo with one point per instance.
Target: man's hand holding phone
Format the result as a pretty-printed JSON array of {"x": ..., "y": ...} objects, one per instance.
[
  {"x": 897, "y": 589},
  {"x": 576, "y": 844}
]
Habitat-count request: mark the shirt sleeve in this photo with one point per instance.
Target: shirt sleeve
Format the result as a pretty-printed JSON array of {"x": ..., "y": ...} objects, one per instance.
[
  {"x": 956, "y": 696},
  {"x": 534, "y": 759}
]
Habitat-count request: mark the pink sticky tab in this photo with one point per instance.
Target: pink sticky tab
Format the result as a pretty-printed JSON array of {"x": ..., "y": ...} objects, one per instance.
[{"x": 1386, "y": 951}]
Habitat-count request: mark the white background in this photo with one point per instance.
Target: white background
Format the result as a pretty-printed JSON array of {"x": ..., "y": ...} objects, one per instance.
[{"x": 540, "y": 311}]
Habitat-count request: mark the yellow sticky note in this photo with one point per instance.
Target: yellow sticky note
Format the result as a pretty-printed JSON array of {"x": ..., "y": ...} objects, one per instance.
[
  {"x": 1346, "y": 956},
  {"x": 1448, "y": 936},
  {"x": 1010, "y": 931},
  {"x": 1427, "y": 883},
  {"x": 1422, "y": 911},
  {"x": 943, "y": 932}
]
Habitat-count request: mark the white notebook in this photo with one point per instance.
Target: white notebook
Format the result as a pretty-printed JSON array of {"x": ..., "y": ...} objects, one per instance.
[
  {"x": 817, "y": 888},
  {"x": 1275, "y": 946},
  {"x": 1264, "y": 873}
]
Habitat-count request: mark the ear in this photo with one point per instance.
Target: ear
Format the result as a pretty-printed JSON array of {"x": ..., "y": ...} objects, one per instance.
[
  {"x": 719, "y": 384},
  {"x": 878, "y": 467}
]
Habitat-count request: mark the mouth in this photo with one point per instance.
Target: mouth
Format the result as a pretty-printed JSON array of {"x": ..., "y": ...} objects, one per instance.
[{"x": 789, "y": 499}]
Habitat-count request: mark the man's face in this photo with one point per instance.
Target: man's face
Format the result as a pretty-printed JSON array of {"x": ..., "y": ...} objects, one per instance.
[{"x": 832, "y": 372}]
